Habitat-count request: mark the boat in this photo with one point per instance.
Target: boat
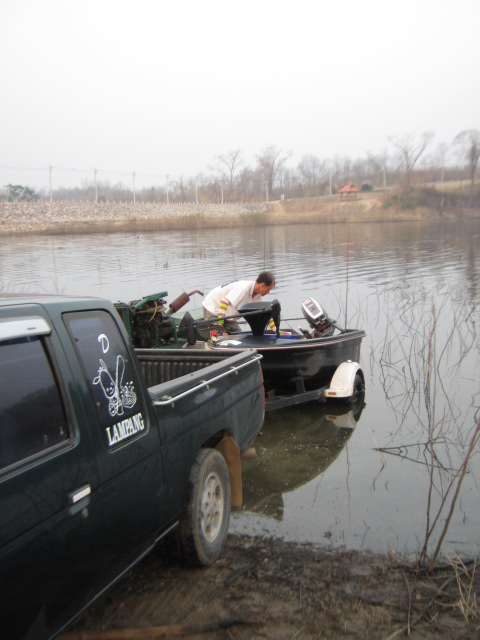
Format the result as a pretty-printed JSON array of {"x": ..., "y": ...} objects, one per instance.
[
  {"x": 298, "y": 365},
  {"x": 318, "y": 362}
]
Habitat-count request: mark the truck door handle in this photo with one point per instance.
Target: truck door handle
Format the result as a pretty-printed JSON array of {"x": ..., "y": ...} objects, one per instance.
[
  {"x": 79, "y": 494},
  {"x": 79, "y": 500}
]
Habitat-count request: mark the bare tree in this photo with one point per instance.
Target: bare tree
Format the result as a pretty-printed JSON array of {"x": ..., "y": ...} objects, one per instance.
[
  {"x": 438, "y": 159},
  {"x": 246, "y": 184},
  {"x": 312, "y": 172},
  {"x": 228, "y": 164},
  {"x": 411, "y": 148},
  {"x": 468, "y": 142},
  {"x": 308, "y": 167},
  {"x": 269, "y": 163},
  {"x": 340, "y": 169}
]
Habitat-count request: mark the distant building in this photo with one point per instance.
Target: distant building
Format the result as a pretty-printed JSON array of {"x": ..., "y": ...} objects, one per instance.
[{"x": 348, "y": 191}]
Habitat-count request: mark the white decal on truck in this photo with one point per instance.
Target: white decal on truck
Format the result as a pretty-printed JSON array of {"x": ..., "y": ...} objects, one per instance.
[
  {"x": 124, "y": 429},
  {"x": 120, "y": 395},
  {"x": 102, "y": 338}
]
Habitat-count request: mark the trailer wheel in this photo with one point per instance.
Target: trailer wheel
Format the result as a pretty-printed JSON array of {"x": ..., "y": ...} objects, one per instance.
[
  {"x": 358, "y": 395},
  {"x": 202, "y": 532}
]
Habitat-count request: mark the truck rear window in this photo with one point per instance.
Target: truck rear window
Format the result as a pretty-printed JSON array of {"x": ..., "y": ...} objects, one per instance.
[
  {"x": 110, "y": 376},
  {"x": 32, "y": 419}
]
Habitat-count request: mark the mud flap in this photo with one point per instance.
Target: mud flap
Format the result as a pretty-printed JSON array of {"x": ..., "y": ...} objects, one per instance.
[{"x": 231, "y": 452}]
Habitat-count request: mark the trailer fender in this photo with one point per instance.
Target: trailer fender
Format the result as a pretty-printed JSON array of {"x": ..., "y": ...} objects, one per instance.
[{"x": 342, "y": 385}]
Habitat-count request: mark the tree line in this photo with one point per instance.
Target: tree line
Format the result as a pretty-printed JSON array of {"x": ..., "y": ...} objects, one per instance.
[{"x": 229, "y": 179}]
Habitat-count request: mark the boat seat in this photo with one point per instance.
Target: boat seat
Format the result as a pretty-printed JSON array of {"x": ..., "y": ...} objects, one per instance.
[
  {"x": 258, "y": 315},
  {"x": 187, "y": 324}
]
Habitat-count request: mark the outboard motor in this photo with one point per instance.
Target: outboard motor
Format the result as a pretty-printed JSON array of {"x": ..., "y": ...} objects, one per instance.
[{"x": 316, "y": 317}]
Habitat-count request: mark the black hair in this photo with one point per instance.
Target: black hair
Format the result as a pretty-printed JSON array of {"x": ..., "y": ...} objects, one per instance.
[{"x": 266, "y": 278}]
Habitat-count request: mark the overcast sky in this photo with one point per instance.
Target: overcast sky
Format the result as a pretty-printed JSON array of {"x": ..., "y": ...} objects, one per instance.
[{"x": 162, "y": 87}]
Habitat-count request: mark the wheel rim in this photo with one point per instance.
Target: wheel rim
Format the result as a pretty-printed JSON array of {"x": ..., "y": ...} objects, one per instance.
[{"x": 212, "y": 507}]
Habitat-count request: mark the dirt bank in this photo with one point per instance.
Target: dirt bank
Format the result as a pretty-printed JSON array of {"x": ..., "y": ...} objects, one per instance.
[
  {"x": 273, "y": 590},
  {"x": 367, "y": 207},
  {"x": 89, "y": 217}
]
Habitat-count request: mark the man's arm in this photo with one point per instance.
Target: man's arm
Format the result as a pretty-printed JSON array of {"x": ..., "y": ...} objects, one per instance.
[{"x": 222, "y": 310}]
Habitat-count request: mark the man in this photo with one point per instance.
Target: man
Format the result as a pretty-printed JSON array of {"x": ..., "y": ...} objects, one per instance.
[{"x": 226, "y": 299}]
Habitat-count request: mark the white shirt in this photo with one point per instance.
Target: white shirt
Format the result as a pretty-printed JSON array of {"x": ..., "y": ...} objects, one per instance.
[{"x": 237, "y": 293}]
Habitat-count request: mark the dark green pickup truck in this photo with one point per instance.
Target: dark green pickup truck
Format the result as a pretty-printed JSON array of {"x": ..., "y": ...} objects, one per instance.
[{"x": 96, "y": 464}]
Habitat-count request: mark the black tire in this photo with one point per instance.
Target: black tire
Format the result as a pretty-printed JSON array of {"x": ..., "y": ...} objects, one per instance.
[
  {"x": 357, "y": 398},
  {"x": 202, "y": 532}
]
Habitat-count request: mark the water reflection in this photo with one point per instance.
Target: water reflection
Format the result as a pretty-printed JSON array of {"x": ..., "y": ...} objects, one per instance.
[{"x": 296, "y": 445}]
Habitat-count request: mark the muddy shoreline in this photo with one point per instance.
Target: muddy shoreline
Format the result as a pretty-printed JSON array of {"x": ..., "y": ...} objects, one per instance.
[{"x": 269, "y": 589}]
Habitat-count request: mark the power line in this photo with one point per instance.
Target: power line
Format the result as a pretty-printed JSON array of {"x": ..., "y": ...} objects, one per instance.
[
  {"x": 76, "y": 170},
  {"x": 100, "y": 173},
  {"x": 22, "y": 168}
]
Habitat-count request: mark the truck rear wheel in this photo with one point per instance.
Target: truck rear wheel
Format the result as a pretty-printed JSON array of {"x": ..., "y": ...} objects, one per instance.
[{"x": 203, "y": 529}]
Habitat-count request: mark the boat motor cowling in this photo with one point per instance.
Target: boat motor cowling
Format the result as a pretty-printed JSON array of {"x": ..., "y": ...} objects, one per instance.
[{"x": 315, "y": 316}]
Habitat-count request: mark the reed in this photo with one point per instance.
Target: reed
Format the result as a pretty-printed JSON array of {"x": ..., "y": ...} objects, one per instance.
[{"x": 417, "y": 363}]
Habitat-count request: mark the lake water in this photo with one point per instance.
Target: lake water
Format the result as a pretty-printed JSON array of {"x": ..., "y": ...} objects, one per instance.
[{"x": 321, "y": 474}]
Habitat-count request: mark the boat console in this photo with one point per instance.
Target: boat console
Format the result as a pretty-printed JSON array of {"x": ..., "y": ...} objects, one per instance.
[{"x": 258, "y": 315}]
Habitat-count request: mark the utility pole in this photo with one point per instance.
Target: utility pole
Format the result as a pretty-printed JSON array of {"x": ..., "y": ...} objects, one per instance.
[
  {"x": 166, "y": 186},
  {"x": 50, "y": 181},
  {"x": 134, "y": 197},
  {"x": 95, "y": 180},
  {"x": 266, "y": 192}
]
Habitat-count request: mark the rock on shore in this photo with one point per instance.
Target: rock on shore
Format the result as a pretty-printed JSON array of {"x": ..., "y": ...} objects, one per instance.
[{"x": 84, "y": 217}]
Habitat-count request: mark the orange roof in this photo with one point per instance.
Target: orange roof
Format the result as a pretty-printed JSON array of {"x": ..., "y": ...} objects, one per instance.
[{"x": 348, "y": 188}]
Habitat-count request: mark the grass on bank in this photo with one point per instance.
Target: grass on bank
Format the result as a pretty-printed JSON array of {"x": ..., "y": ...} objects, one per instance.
[{"x": 432, "y": 198}]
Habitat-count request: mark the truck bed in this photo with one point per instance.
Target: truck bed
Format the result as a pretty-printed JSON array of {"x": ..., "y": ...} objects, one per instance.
[{"x": 164, "y": 365}]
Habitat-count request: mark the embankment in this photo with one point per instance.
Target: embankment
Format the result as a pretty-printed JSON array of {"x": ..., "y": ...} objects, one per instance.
[{"x": 88, "y": 217}]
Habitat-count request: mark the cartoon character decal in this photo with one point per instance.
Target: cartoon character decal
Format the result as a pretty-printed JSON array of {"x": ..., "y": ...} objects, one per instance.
[
  {"x": 111, "y": 373},
  {"x": 120, "y": 395}
]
